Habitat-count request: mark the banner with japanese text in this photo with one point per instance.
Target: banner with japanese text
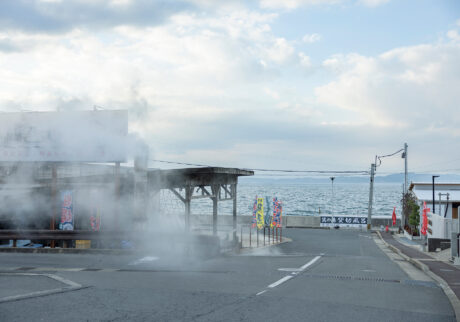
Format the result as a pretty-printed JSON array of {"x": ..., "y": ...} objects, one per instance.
[
  {"x": 343, "y": 221},
  {"x": 260, "y": 213}
]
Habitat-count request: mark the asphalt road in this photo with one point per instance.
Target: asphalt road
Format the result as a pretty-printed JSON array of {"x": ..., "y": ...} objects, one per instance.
[{"x": 322, "y": 275}]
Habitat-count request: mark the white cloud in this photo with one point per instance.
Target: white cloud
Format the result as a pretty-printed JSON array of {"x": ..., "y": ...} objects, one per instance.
[
  {"x": 189, "y": 80},
  {"x": 453, "y": 35},
  {"x": 311, "y": 38},
  {"x": 195, "y": 74},
  {"x": 334, "y": 62},
  {"x": 272, "y": 93},
  {"x": 305, "y": 61},
  {"x": 411, "y": 86},
  {"x": 373, "y": 3},
  {"x": 293, "y": 4},
  {"x": 278, "y": 51}
]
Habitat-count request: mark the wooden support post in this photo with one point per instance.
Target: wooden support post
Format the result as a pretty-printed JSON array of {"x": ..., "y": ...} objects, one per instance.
[
  {"x": 188, "y": 199},
  {"x": 53, "y": 199},
  {"x": 215, "y": 195},
  {"x": 233, "y": 188}
]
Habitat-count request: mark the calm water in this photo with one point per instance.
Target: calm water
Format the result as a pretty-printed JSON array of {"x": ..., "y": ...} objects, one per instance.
[{"x": 308, "y": 199}]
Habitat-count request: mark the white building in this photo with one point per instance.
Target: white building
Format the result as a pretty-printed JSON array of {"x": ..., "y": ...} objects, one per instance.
[{"x": 444, "y": 220}]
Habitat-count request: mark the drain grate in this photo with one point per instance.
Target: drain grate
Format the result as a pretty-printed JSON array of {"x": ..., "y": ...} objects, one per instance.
[{"x": 353, "y": 278}]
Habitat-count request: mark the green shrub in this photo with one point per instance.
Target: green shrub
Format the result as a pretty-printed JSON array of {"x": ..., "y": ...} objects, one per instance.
[{"x": 414, "y": 216}]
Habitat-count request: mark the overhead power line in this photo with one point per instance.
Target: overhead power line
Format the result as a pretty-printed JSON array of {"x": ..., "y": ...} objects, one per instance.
[
  {"x": 309, "y": 171},
  {"x": 271, "y": 170},
  {"x": 379, "y": 157}
]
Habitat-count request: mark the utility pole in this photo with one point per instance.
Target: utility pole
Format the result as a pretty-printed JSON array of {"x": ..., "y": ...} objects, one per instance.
[
  {"x": 403, "y": 217},
  {"x": 434, "y": 206},
  {"x": 405, "y": 168},
  {"x": 371, "y": 196}
]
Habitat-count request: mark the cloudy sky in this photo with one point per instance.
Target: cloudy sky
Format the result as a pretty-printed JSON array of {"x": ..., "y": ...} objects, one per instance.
[{"x": 292, "y": 84}]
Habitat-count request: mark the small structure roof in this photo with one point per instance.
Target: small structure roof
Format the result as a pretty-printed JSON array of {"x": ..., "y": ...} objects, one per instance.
[
  {"x": 177, "y": 178},
  {"x": 424, "y": 191}
]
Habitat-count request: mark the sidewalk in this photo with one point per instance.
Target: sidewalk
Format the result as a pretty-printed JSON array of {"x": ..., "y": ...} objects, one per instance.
[{"x": 446, "y": 274}]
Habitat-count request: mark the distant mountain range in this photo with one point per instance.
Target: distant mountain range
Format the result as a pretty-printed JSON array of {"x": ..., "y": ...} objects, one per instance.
[{"x": 391, "y": 178}]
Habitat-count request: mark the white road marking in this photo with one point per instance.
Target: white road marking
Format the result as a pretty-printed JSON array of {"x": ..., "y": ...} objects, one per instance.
[
  {"x": 294, "y": 271},
  {"x": 144, "y": 260},
  {"x": 368, "y": 270},
  {"x": 63, "y": 280},
  {"x": 61, "y": 269},
  {"x": 70, "y": 287},
  {"x": 281, "y": 281},
  {"x": 314, "y": 260},
  {"x": 289, "y": 269}
]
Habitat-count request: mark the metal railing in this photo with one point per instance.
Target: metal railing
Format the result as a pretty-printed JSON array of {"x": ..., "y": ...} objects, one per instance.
[{"x": 254, "y": 237}]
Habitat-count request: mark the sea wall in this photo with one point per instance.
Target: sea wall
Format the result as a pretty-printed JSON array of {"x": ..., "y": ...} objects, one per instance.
[
  {"x": 225, "y": 221},
  {"x": 301, "y": 221}
]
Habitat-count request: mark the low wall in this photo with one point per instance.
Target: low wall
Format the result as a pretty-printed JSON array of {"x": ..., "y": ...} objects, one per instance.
[
  {"x": 226, "y": 221},
  {"x": 301, "y": 221},
  {"x": 222, "y": 220},
  {"x": 435, "y": 243},
  {"x": 377, "y": 222}
]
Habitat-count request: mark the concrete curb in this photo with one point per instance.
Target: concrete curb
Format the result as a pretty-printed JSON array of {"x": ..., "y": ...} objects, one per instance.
[
  {"x": 454, "y": 301},
  {"x": 248, "y": 250}
]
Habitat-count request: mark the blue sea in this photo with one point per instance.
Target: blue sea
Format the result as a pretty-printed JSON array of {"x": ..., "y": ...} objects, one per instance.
[{"x": 312, "y": 198}]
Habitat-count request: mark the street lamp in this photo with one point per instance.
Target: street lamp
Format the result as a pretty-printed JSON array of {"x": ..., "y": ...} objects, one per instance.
[
  {"x": 434, "y": 211},
  {"x": 332, "y": 201}
]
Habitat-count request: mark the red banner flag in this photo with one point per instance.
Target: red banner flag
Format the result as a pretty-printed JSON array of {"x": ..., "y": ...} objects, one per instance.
[
  {"x": 425, "y": 219},
  {"x": 394, "y": 216}
]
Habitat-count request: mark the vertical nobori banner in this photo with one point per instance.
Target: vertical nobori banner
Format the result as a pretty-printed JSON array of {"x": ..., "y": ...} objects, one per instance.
[
  {"x": 277, "y": 211},
  {"x": 95, "y": 219},
  {"x": 260, "y": 213},
  {"x": 95, "y": 211},
  {"x": 268, "y": 216},
  {"x": 254, "y": 214},
  {"x": 67, "y": 216}
]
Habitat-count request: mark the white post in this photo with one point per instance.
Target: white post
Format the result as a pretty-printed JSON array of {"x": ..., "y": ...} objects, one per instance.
[{"x": 371, "y": 196}]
